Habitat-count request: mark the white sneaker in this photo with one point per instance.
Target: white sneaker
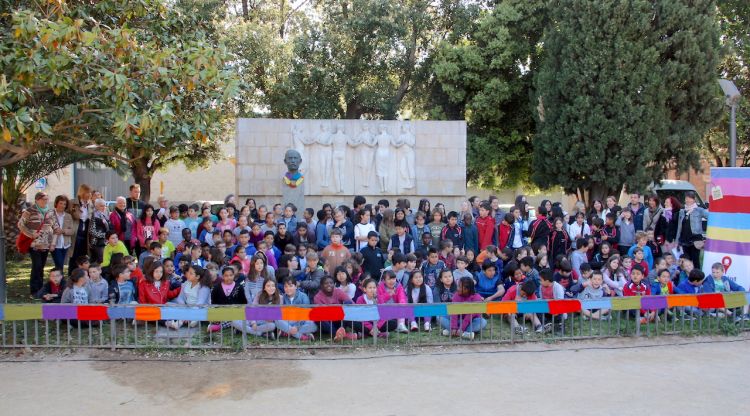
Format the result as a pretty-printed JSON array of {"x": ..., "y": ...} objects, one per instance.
[
  {"x": 193, "y": 324},
  {"x": 414, "y": 326},
  {"x": 402, "y": 329},
  {"x": 427, "y": 326},
  {"x": 467, "y": 335},
  {"x": 446, "y": 333},
  {"x": 172, "y": 325}
]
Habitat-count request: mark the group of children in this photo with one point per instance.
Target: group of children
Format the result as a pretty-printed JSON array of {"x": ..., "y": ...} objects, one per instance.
[{"x": 375, "y": 255}]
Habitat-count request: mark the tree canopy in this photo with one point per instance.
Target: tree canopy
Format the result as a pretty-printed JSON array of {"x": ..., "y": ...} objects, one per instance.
[
  {"x": 141, "y": 82},
  {"x": 627, "y": 89}
]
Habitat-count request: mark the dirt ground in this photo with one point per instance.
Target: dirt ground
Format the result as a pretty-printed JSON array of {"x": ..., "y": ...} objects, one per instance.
[{"x": 668, "y": 376}]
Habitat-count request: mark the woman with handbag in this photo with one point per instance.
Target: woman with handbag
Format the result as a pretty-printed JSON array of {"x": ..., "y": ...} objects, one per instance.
[
  {"x": 690, "y": 229},
  {"x": 98, "y": 230},
  {"x": 38, "y": 228}
]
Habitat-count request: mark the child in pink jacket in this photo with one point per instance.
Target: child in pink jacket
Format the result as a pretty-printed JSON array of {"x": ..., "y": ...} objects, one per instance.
[
  {"x": 390, "y": 291},
  {"x": 370, "y": 297},
  {"x": 469, "y": 323}
]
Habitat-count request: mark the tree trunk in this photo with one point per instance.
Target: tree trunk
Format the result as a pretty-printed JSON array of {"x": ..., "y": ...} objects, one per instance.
[
  {"x": 11, "y": 215},
  {"x": 353, "y": 110},
  {"x": 600, "y": 192},
  {"x": 245, "y": 11},
  {"x": 142, "y": 176}
]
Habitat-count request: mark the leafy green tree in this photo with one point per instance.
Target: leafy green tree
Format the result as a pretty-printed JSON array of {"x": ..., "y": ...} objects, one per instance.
[
  {"x": 333, "y": 59},
  {"x": 485, "y": 76},
  {"x": 142, "y": 82},
  {"x": 627, "y": 90},
  {"x": 734, "y": 20}
]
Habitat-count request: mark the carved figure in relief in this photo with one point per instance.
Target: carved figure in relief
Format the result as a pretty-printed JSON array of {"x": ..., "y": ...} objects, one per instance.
[
  {"x": 338, "y": 140},
  {"x": 382, "y": 156}
]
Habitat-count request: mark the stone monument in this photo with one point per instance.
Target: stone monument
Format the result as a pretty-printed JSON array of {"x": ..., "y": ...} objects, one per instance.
[
  {"x": 293, "y": 183},
  {"x": 338, "y": 159}
]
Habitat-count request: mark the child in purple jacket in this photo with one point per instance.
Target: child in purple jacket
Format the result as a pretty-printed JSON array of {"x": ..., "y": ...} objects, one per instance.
[{"x": 466, "y": 325}]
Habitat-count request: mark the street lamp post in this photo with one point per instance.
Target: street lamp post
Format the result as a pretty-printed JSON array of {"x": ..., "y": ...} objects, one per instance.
[{"x": 733, "y": 96}]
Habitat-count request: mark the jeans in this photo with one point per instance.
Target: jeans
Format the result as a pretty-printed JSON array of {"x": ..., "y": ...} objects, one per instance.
[
  {"x": 303, "y": 327},
  {"x": 477, "y": 324},
  {"x": 38, "y": 260},
  {"x": 58, "y": 256},
  {"x": 262, "y": 327}
]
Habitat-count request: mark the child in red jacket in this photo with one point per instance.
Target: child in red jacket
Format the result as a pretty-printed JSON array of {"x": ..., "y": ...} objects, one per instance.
[
  {"x": 485, "y": 226},
  {"x": 153, "y": 289},
  {"x": 636, "y": 287},
  {"x": 504, "y": 231}
]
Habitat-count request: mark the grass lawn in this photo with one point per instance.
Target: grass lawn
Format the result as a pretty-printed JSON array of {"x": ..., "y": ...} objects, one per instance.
[{"x": 18, "y": 272}]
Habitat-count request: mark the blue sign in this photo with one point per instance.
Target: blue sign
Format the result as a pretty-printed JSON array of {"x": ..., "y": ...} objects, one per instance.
[{"x": 41, "y": 183}]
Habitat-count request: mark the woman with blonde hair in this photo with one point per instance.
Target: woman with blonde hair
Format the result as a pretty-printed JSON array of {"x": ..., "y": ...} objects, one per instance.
[{"x": 81, "y": 209}]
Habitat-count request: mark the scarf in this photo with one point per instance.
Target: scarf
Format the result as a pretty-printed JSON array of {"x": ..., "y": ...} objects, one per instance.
[
  {"x": 690, "y": 207},
  {"x": 43, "y": 211},
  {"x": 668, "y": 215}
]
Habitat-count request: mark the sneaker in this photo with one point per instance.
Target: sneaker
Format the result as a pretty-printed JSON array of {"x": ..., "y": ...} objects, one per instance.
[
  {"x": 467, "y": 335},
  {"x": 746, "y": 317},
  {"x": 548, "y": 327},
  {"x": 414, "y": 327},
  {"x": 644, "y": 321},
  {"x": 213, "y": 328},
  {"x": 305, "y": 338},
  {"x": 402, "y": 329},
  {"x": 339, "y": 334},
  {"x": 446, "y": 333},
  {"x": 427, "y": 327},
  {"x": 383, "y": 334},
  {"x": 520, "y": 330},
  {"x": 172, "y": 325},
  {"x": 605, "y": 318},
  {"x": 192, "y": 324},
  {"x": 539, "y": 329},
  {"x": 351, "y": 337}
]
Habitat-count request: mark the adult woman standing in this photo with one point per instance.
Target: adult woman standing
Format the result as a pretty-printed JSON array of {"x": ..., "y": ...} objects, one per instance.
[
  {"x": 690, "y": 229},
  {"x": 81, "y": 210},
  {"x": 653, "y": 219},
  {"x": 38, "y": 222},
  {"x": 672, "y": 209},
  {"x": 612, "y": 207},
  {"x": 98, "y": 231},
  {"x": 62, "y": 241}
]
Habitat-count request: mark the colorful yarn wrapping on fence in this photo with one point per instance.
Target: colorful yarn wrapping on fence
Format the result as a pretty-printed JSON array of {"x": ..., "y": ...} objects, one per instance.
[{"x": 360, "y": 313}]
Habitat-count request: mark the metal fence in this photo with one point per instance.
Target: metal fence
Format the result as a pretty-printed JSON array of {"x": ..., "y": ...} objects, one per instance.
[{"x": 240, "y": 327}]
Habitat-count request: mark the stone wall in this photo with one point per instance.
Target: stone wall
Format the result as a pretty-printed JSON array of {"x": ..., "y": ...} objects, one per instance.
[{"x": 407, "y": 159}]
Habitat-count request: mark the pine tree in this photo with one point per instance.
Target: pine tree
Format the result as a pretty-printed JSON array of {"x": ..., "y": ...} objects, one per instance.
[{"x": 627, "y": 90}]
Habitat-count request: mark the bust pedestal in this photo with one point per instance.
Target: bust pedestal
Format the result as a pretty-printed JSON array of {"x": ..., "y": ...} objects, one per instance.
[{"x": 294, "y": 195}]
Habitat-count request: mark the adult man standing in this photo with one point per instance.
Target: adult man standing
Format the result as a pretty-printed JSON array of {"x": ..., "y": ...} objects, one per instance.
[
  {"x": 638, "y": 210},
  {"x": 134, "y": 203}
]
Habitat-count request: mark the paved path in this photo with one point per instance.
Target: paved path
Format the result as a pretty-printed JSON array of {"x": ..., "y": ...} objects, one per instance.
[{"x": 601, "y": 378}]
